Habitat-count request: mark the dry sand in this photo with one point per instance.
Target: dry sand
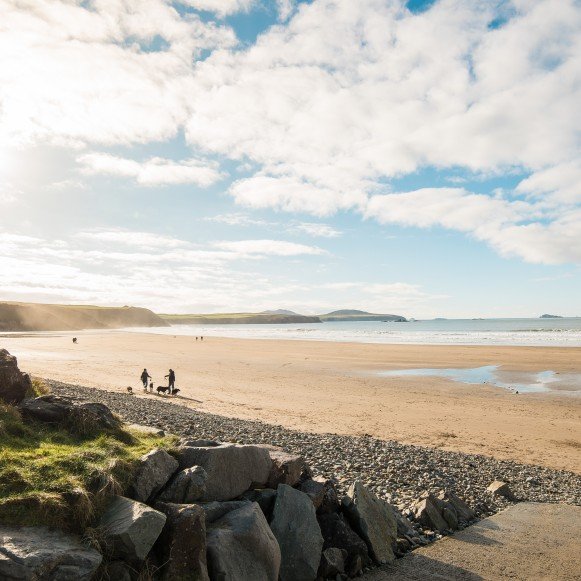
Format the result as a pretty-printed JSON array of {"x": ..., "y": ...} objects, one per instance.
[{"x": 333, "y": 387}]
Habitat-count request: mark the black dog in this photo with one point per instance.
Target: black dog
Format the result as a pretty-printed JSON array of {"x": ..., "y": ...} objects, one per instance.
[
  {"x": 129, "y": 390},
  {"x": 166, "y": 389}
]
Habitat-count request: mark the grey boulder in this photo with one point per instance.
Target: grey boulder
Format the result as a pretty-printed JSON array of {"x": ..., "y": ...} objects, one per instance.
[
  {"x": 322, "y": 493},
  {"x": 286, "y": 468},
  {"x": 186, "y": 486},
  {"x": 241, "y": 547},
  {"x": 33, "y": 553},
  {"x": 463, "y": 512},
  {"x": 500, "y": 488},
  {"x": 332, "y": 563},
  {"x": 373, "y": 520},
  {"x": 294, "y": 524},
  {"x": 131, "y": 528},
  {"x": 13, "y": 383},
  {"x": 265, "y": 498},
  {"x": 182, "y": 543},
  {"x": 154, "y": 470},
  {"x": 231, "y": 468},
  {"x": 427, "y": 512}
]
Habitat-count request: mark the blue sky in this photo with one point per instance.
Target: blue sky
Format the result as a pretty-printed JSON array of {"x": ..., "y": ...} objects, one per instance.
[{"x": 419, "y": 158}]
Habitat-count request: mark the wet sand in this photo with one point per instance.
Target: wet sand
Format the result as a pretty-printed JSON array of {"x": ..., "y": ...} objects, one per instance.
[{"x": 334, "y": 387}]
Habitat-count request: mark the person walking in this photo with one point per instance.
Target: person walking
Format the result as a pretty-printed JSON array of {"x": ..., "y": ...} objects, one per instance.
[
  {"x": 172, "y": 380},
  {"x": 144, "y": 379}
]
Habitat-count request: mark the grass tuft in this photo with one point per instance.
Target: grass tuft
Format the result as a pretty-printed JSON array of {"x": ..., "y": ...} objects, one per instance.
[{"x": 63, "y": 477}]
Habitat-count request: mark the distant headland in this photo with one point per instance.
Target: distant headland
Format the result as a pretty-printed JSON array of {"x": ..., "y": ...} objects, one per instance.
[{"x": 546, "y": 316}]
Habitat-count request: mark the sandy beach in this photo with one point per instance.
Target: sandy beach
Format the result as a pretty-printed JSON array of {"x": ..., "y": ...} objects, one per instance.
[{"x": 335, "y": 387}]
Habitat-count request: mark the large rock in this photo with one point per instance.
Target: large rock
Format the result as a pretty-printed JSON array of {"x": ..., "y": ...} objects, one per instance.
[
  {"x": 265, "y": 498},
  {"x": 131, "y": 527},
  {"x": 373, "y": 520},
  {"x": 322, "y": 493},
  {"x": 13, "y": 383},
  {"x": 294, "y": 524},
  {"x": 232, "y": 469},
  {"x": 463, "y": 512},
  {"x": 332, "y": 563},
  {"x": 186, "y": 486},
  {"x": 153, "y": 472},
  {"x": 182, "y": 543},
  {"x": 216, "y": 510},
  {"x": 82, "y": 418},
  {"x": 427, "y": 512},
  {"x": 241, "y": 547},
  {"x": 33, "y": 553},
  {"x": 286, "y": 468},
  {"x": 337, "y": 533}
]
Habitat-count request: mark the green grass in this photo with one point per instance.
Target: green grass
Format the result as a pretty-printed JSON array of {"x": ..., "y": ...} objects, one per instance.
[{"x": 53, "y": 477}]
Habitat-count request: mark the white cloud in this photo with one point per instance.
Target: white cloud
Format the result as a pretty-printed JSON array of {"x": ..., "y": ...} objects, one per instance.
[
  {"x": 152, "y": 172},
  {"x": 235, "y": 219},
  {"x": 318, "y": 229},
  {"x": 270, "y": 248},
  {"x": 560, "y": 183},
  {"x": 221, "y": 7}
]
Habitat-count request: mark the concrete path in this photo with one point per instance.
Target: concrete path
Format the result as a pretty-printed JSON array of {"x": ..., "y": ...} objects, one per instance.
[{"x": 526, "y": 541}]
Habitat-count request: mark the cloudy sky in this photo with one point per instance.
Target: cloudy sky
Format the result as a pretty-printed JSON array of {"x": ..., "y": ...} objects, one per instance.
[{"x": 417, "y": 157}]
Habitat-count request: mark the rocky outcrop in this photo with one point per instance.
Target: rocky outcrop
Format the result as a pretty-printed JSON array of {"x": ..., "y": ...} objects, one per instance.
[
  {"x": 154, "y": 470},
  {"x": 182, "y": 543},
  {"x": 265, "y": 498},
  {"x": 31, "y": 553},
  {"x": 82, "y": 418},
  {"x": 294, "y": 524},
  {"x": 232, "y": 469},
  {"x": 322, "y": 493},
  {"x": 216, "y": 510},
  {"x": 131, "y": 528},
  {"x": 332, "y": 563},
  {"x": 13, "y": 383},
  {"x": 373, "y": 520},
  {"x": 187, "y": 486},
  {"x": 241, "y": 547}
]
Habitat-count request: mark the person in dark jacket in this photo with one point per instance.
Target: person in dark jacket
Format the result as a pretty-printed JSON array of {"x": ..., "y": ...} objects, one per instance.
[
  {"x": 144, "y": 377},
  {"x": 172, "y": 380}
]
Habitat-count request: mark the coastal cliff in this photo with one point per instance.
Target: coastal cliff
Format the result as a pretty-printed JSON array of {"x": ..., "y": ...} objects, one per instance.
[
  {"x": 41, "y": 317},
  {"x": 238, "y": 319}
]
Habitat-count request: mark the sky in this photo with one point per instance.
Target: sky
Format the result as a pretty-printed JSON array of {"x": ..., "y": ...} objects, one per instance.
[{"x": 419, "y": 158}]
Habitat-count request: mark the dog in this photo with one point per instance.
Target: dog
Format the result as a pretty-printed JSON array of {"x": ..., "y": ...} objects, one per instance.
[
  {"x": 165, "y": 389},
  {"x": 129, "y": 390}
]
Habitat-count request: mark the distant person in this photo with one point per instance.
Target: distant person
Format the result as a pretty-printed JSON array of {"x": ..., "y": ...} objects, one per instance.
[
  {"x": 144, "y": 379},
  {"x": 196, "y": 338},
  {"x": 172, "y": 380},
  {"x": 201, "y": 338},
  {"x": 74, "y": 339}
]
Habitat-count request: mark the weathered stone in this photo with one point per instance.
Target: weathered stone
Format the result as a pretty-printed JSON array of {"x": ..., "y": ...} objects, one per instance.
[
  {"x": 186, "y": 486},
  {"x": 182, "y": 543},
  {"x": 449, "y": 514},
  {"x": 337, "y": 533},
  {"x": 131, "y": 527},
  {"x": 232, "y": 469},
  {"x": 286, "y": 468},
  {"x": 373, "y": 520},
  {"x": 463, "y": 511},
  {"x": 241, "y": 547},
  {"x": 314, "y": 488},
  {"x": 332, "y": 563},
  {"x": 294, "y": 524},
  {"x": 404, "y": 525},
  {"x": 118, "y": 571},
  {"x": 499, "y": 488},
  {"x": 216, "y": 510},
  {"x": 13, "y": 383},
  {"x": 265, "y": 498},
  {"x": 427, "y": 513},
  {"x": 154, "y": 470},
  {"x": 60, "y": 410},
  {"x": 31, "y": 553}
]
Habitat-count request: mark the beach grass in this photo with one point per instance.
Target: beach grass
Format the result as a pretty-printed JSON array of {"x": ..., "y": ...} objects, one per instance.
[{"x": 51, "y": 476}]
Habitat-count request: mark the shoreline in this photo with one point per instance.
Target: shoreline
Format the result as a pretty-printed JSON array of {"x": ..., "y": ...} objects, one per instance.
[{"x": 332, "y": 387}]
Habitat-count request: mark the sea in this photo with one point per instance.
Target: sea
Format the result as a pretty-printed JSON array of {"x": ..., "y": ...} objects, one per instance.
[{"x": 563, "y": 332}]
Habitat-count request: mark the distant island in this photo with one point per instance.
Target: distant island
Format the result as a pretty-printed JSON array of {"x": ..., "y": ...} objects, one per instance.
[
  {"x": 355, "y": 315},
  {"x": 16, "y": 316},
  {"x": 545, "y": 316}
]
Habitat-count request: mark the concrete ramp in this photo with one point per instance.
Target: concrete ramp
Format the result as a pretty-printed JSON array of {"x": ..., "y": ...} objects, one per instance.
[{"x": 526, "y": 541}]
